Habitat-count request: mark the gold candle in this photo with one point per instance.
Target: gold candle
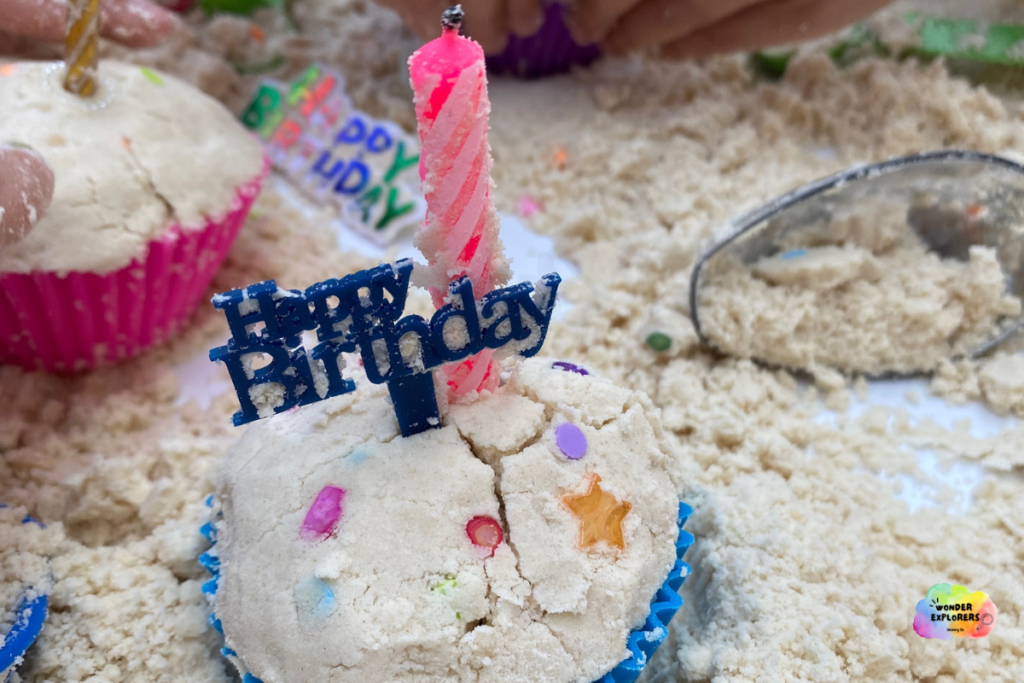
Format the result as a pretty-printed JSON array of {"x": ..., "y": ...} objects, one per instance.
[{"x": 80, "y": 46}]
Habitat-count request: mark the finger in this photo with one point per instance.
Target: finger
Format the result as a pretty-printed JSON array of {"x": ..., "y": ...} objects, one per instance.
[
  {"x": 24, "y": 48},
  {"x": 135, "y": 23},
  {"x": 26, "y": 189},
  {"x": 656, "y": 22},
  {"x": 589, "y": 21},
  {"x": 39, "y": 19},
  {"x": 777, "y": 23},
  {"x": 486, "y": 22},
  {"x": 525, "y": 17}
]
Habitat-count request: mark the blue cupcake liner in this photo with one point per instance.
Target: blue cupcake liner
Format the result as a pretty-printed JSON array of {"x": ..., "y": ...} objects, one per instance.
[
  {"x": 550, "y": 51},
  {"x": 642, "y": 643},
  {"x": 31, "y": 614}
]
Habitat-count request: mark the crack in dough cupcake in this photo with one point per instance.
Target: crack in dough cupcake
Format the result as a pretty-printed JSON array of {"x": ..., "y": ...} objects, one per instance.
[
  {"x": 520, "y": 543},
  {"x": 147, "y": 151}
]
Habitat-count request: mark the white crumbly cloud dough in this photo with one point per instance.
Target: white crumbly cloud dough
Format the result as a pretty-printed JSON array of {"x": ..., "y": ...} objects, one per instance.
[
  {"x": 409, "y": 594},
  {"x": 904, "y": 310}
]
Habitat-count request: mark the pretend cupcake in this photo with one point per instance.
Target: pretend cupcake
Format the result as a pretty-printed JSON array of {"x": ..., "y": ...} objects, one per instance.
[
  {"x": 522, "y": 549},
  {"x": 153, "y": 181}
]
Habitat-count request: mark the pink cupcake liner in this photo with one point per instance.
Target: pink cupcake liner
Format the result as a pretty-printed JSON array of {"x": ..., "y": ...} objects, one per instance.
[
  {"x": 551, "y": 50},
  {"x": 81, "y": 320}
]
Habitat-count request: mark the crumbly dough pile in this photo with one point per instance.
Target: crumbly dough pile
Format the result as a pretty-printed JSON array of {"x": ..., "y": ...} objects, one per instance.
[
  {"x": 146, "y": 152},
  {"x": 806, "y": 566},
  {"x": 408, "y": 592},
  {"x": 867, "y": 296}
]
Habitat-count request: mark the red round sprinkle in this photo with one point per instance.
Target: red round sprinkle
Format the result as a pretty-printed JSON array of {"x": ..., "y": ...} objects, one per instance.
[{"x": 485, "y": 532}]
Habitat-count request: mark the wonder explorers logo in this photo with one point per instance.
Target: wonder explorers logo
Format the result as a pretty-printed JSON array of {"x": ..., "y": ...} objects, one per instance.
[{"x": 950, "y": 611}]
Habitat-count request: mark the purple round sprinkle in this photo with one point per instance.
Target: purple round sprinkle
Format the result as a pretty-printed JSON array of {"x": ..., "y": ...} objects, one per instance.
[
  {"x": 571, "y": 441},
  {"x": 569, "y": 367}
]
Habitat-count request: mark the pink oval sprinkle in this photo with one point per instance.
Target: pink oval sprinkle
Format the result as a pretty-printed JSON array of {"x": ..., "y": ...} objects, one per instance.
[
  {"x": 485, "y": 532},
  {"x": 323, "y": 515},
  {"x": 571, "y": 441},
  {"x": 529, "y": 206}
]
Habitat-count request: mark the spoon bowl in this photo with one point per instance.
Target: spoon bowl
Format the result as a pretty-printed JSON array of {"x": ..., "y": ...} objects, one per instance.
[{"x": 952, "y": 200}]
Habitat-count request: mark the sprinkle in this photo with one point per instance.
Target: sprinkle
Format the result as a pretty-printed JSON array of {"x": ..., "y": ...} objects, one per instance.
[
  {"x": 485, "y": 532},
  {"x": 975, "y": 211},
  {"x": 153, "y": 76},
  {"x": 257, "y": 33},
  {"x": 569, "y": 367},
  {"x": 126, "y": 142},
  {"x": 450, "y": 583},
  {"x": 529, "y": 206},
  {"x": 571, "y": 441},
  {"x": 315, "y": 599},
  {"x": 659, "y": 341},
  {"x": 600, "y": 515},
  {"x": 792, "y": 254},
  {"x": 7, "y": 69},
  {"x": 261, "y": 67},
  {"x": 323, "y": 515},
  {"x": 560, "y": 158}
]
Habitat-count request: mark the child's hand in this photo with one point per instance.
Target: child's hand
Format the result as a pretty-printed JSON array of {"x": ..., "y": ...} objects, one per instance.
[
  {"x": 489, "y": 22},
  {"x": 698, "y": 28},
  {"x": 26, "y": 188},
  {"x": 133, "y": 23}
]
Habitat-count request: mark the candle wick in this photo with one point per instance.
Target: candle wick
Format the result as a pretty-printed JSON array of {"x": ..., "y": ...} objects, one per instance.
[{"x": 451, "y": 18}]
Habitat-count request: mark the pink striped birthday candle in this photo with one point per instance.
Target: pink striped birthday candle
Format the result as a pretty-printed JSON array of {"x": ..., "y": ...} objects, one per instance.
[{"x": 460, "y": 235}]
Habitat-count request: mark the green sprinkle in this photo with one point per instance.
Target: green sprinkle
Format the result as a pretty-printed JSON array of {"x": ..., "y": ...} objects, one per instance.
[
  {"x": 260, "y": 68},
  {"x": 153, "y": 76},
  {"x": 771, "y": 65},
  {"x": 449, "y": 584},
  {"x": 659, "y": 341},
  {"x": 458, "y": 615}
]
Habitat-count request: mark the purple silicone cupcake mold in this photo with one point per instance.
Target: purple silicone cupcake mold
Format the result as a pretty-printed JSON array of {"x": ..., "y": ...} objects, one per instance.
[{"x": 551, "y": 50}]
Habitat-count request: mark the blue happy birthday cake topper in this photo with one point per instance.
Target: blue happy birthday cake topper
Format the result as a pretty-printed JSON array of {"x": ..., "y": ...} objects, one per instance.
[{"x": 360, "y": 313}]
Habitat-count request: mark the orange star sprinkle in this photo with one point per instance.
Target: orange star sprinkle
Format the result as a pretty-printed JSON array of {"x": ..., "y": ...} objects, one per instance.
[
  {"x": 7, "y": 69},
  {"x": 257, "y": 33},
  {"x": 600, "y": 515}
]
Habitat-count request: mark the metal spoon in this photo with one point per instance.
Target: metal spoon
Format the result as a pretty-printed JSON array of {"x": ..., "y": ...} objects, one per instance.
[{"x": 934, "y": 187}]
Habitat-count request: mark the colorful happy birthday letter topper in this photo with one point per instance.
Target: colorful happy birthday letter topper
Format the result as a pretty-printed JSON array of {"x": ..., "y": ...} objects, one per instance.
[
  {"x": 950, "y": 611},
  {"x": 361, "y": 313},
  {"x": 367, "y": 168}
]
